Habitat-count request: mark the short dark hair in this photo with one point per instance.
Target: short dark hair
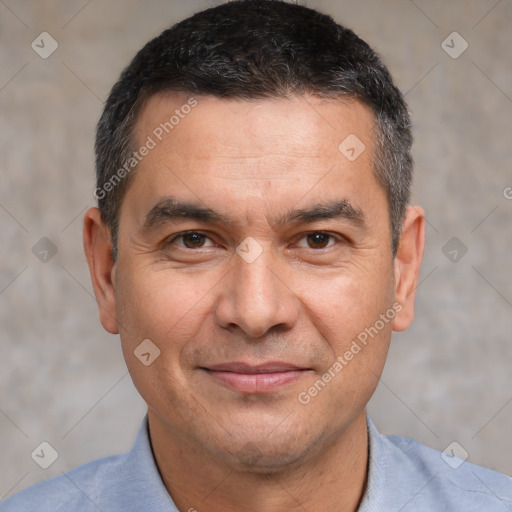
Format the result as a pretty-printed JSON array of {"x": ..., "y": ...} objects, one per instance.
[{"x": 256, "y": 49}]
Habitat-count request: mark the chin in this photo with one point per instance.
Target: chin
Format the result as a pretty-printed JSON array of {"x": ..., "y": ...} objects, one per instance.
[{"x": 265, "y": 456}]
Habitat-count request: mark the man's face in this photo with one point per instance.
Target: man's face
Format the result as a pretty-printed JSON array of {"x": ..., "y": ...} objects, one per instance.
[{"x": 252, "y": 253}]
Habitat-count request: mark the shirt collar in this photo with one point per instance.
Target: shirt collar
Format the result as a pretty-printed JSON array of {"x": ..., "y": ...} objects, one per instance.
[
  {"x": 152, "y": 495},
  {"x": 371, "y": 501}
]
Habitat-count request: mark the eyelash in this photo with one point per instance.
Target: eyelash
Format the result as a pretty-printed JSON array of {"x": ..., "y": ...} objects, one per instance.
[{"x": 305, "y": 235}]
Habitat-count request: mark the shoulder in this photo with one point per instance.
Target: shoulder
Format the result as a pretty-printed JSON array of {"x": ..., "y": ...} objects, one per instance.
[
  {"x": 75, "y": 490},
  {"x": 121, "y": 483},
  {"x": 426, "y": 479}
]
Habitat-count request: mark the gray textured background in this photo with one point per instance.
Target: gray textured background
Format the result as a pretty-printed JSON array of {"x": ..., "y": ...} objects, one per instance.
[{"x": 63, "y": 379}]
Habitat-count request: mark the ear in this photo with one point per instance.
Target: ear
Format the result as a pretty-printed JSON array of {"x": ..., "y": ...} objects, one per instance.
[
  {"x": 407, "y": 265},
  {"x": 98, "y": 251}
]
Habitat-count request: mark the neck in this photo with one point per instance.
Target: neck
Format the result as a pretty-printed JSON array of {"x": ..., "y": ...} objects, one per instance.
[{"x": 333, "y": 478}]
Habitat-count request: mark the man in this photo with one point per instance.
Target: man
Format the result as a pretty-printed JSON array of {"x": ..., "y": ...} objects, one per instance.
[{"x": 254, "y": 249}]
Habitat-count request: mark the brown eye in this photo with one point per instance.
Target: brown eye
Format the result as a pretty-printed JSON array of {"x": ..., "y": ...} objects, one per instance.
[
  {"x": 189, "y": 240},
  {"x": 193, "y": 240},
  {"x": 318, "y": 240}
]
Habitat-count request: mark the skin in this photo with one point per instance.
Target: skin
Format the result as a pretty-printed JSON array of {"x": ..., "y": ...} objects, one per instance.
[{"x": 302, "y": 301}]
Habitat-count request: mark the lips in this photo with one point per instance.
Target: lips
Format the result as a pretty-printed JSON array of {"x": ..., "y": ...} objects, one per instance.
[
  {"x": 273, "y": 367},
  {"x": 258, "y": 379}
]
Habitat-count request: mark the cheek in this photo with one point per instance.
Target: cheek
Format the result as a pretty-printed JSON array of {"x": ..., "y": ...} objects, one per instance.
[
  {"x": 167, "y": 310},
  {"x": 345, "y": 305},
  {"x": 354, "y": 313},
  {"x": 160, "y": 305}
]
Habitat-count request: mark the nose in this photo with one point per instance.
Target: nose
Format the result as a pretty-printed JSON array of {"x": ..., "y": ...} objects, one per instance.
[{"x": 256, "y": 297}]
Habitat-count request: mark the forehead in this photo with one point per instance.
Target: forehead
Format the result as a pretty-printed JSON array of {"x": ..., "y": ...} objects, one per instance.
[
  {"x": 211, "y": 149},
  {"x": 302, "y": 126}
]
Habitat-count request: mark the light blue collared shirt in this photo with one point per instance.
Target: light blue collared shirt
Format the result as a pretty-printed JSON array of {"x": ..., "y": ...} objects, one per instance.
[{"x": 404, "y": 476}]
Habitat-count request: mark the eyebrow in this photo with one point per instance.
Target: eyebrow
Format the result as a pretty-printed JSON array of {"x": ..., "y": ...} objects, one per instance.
[
  {"x": 340, "y": 209},
  {"x": 171, "y": 209}
]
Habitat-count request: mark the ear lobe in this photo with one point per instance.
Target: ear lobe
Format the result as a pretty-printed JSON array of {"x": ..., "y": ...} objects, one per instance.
[
  {"x": 98, "y": 251},
  {"x": 407, "y": 265}
]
